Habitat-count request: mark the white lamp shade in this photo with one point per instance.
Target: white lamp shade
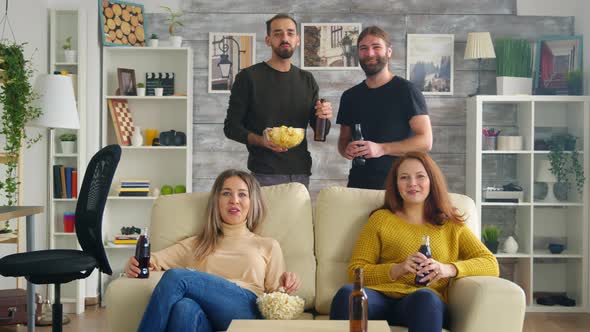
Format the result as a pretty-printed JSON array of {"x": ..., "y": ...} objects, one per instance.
[
  {"x": 479, "y": 46},
  {"x": 57, "y": 103},
  {"x": 543, "y": 173}
]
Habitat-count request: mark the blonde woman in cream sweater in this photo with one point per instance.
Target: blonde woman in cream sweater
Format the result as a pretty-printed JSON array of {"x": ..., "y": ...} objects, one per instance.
[
  {"x": 216, "y": 276},
  {"x": 416, "y": 204}
]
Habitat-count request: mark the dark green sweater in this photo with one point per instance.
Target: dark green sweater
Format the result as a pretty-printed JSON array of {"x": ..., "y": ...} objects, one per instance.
[{"x": 262, "y": 97}]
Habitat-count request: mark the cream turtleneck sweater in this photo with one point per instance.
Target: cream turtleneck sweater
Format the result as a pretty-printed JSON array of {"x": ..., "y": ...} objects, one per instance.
[{"x": 251, "y": 261}]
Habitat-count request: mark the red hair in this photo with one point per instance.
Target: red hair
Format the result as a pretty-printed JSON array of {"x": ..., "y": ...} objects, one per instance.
[{"x": 437, "y": 207}]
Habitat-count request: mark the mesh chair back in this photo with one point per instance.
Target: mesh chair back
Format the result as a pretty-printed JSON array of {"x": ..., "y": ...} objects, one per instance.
[{"x": 91, "y": 202}]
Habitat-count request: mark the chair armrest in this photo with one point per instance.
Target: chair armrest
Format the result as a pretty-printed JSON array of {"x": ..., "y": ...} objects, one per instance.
[
  {"x": 486, "y": 304},
  {"x": 126, "y": 300}
]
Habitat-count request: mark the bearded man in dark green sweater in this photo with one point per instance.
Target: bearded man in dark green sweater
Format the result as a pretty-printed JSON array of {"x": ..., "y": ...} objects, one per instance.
[{"x": 270, "y": 94}]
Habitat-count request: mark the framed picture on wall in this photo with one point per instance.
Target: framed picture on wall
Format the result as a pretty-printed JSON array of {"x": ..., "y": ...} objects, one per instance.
[
  {"x": 558, "y": 58},
  {"x": 229, "y": 53},
  {"x": 329, "y": 46},
  {"x": 430, "y": 63},
  {"x": 122, "y": 23}
]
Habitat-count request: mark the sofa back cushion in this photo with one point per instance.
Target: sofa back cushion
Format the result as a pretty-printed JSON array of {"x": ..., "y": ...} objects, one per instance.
[
  {"x": 340, "y": 213},
  {"x": 289, "y": 221}
]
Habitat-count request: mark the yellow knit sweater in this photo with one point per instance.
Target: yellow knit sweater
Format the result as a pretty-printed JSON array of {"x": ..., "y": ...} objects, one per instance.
[{"x": 387, "y": 240}]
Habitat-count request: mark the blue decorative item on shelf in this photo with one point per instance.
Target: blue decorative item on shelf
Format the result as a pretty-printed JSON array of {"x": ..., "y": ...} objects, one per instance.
[{"x": 556, "y": 248}]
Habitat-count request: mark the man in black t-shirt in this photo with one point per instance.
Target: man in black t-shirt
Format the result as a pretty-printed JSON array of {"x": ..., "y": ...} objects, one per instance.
[
  {"x": 271, "y": 94},
  {"x": 391, "y": 110}
]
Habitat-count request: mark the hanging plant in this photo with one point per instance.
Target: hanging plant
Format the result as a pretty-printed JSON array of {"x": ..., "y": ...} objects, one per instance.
[{"x": 16, "y": 99}]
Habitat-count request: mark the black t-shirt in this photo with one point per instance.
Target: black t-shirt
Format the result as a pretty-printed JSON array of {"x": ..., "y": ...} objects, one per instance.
[
  {"x": 384, "y": 114},
  {"x": 262, "y": 97}
]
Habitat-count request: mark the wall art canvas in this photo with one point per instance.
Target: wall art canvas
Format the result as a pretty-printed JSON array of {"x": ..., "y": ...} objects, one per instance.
[
  {"x": 329, "y": 46},
  {"x": 229, "y": 53},
  {"x": 556, "y": 58},
  {"x": 122, "y": 23},
  {"x": 430, "y": 63}
]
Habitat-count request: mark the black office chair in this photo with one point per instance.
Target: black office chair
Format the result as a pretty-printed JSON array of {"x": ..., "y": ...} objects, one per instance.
[{"x": 59, "y": 266}]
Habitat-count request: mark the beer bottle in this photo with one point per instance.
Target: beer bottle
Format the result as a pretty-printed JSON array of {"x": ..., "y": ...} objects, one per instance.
[
  {"x": 321, "y": 126},
  {"x": 425, "y": 250},
  {"x": 358, "y": 136},
  {"x": 358, "y": 305},
  {"x": 142, "y": 254}
]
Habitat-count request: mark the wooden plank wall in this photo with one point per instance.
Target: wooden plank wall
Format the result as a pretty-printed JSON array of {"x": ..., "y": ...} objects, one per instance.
[{"x": 213, "y": 152}]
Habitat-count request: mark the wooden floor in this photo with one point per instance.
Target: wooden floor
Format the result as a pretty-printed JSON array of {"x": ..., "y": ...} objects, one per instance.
[{"x": 94, "y": 319}]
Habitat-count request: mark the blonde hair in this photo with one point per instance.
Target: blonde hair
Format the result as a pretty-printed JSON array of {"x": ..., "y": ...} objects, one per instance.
[{"x": 208, "y": 238}]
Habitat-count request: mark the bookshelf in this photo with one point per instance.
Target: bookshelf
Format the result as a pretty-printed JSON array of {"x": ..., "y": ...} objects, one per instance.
[
  {"x": 64, "y": 23},
  {"x": 161, "y": 165}
]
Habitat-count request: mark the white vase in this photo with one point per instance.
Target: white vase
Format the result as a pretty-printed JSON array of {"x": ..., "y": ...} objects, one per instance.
[
  {"x": 176, "y": 41},
  {"x": 510, "y": 245},
  {"x": 141, "y": 92},
  {"x": 136, "y": 138},
  {"x": 70, "y": 56},
  {"x": 154, "y": 42},
  {"x": 68, "y": 147},
  {"x": 159, "y": 92}
]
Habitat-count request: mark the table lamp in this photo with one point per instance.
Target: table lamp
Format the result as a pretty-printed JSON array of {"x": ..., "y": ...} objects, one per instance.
[
  {"x": 544, "y": 175},
  {"x": 479, "y": 46}
]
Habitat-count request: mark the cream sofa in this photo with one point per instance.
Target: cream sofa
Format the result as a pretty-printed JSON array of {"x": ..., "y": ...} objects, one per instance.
[{"x": 319, "y": 256}]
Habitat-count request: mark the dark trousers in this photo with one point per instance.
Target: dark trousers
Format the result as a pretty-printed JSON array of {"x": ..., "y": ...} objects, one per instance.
[
  {"x": 421, "y": 311},
  {"x": 272, "y": 179}
]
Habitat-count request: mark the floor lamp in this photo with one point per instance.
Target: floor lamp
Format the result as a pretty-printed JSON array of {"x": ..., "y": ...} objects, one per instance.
[
  {"x": 479, "y": 46},
  {"x": 58, "y": 110}
]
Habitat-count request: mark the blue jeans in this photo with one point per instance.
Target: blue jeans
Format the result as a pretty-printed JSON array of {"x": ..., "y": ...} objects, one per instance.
[
  {"x": 421, "y": 311},
  {"x": 186, "y": 300}
]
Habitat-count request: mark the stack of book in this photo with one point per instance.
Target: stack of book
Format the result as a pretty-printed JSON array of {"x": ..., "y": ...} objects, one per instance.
[
  {"x": 125, "y": 239},
  {"x": 65, "y": 182},
  {"x": 135, "y": 188}
]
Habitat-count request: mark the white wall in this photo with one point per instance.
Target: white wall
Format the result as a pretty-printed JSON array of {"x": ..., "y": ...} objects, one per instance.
[{"x": 580, "y": 9}]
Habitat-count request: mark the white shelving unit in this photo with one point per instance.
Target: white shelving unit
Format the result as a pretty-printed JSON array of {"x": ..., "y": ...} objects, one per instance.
[
  {"x": 532, "y": 222},
  {"x": 162, "y": 165},
  {"x": 65, "y": 23}
]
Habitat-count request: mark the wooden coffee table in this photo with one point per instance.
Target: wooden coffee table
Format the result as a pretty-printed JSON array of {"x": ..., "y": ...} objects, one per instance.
[{"x": 300, "y": 325}]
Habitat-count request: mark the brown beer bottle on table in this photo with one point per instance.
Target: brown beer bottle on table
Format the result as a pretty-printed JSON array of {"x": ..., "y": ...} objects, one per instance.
[
  {"x": 142, "y": 254},
  {"x": 425, "y": 250},
  {"x": 320, "y": 127},
  {"x": 358, "y": 304}
]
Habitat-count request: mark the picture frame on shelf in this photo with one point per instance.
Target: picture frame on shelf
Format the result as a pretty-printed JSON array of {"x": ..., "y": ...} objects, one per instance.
[
  {"x": 430, "y": 62},
  {"x": 227, "y": 51},
  {"x": 123, "y": 23},
  {"x": 555, "y": 58},
  {"x": 329, "y": 46},
  {"x": 127, "y": 84}
]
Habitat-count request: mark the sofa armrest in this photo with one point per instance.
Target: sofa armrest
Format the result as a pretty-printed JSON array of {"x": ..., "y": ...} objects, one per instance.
[
  {"x": 486, "y": 304},
  {"x": 126, "y": 300}
]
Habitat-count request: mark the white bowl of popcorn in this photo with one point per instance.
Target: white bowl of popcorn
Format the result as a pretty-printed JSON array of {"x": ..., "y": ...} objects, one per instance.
[{"x": 280, "y": 305}]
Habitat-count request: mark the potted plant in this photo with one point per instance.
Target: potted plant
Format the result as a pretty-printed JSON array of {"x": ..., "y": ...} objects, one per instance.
[
  {"x": 140, "y": 89},
  {"x": 154, "y": 40},
  {"x": 69, "y": 54},
  {"x": 565, "y": 164},
  {"x": 173, "y": 21},
  {"x": 158, "y": 89},
  {"x": 490, "y": 235},
  {"x": 575, "y": 82},
  {"x": 68, "y": 142},
  {"x": 513, "y": 67},
  {"x": 16, "y": 99}
]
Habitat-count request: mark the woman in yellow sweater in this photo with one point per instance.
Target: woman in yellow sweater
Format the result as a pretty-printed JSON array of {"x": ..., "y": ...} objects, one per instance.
[
  {"x": 216, "y": 276},
  {"x": 416, "y": 204}
]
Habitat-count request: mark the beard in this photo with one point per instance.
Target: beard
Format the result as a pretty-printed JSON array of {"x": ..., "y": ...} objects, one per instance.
[
  {"x": 372, "y": 69},
  {"x": 284, "y": 53}
]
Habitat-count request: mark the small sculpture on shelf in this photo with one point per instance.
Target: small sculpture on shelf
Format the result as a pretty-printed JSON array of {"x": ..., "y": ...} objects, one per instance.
[{"x": 510, "y": 245}]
